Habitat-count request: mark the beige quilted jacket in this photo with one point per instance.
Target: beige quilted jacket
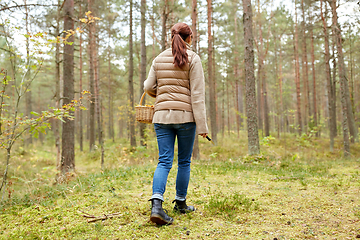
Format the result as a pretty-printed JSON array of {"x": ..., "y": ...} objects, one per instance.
[{"x": 180, "y": 93}]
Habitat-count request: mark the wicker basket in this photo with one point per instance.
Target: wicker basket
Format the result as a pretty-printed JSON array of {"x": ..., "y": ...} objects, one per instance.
[{"x": 144, "y": 114}]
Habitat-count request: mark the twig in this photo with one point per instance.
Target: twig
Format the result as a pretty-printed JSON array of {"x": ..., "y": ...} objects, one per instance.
[
  {"x": 286, "y": 178},
  {"x": 93, "y": 218},
  {"x": 26, "y": 5}
]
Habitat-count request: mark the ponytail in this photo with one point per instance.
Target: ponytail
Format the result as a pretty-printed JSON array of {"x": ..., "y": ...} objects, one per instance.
[{"x": 179, "y": 33}]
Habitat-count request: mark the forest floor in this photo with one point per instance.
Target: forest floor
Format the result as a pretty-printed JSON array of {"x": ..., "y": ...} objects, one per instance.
[{"x": 295, "y": 189}]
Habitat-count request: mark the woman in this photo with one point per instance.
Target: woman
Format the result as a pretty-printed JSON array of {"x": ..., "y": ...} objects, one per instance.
[{"x": 176, "y": 80}]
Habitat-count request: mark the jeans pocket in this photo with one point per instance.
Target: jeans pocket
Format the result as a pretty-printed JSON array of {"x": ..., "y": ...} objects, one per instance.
[
  {"x": 188, "y": 126},
  {"x": 157, "y": 126}
]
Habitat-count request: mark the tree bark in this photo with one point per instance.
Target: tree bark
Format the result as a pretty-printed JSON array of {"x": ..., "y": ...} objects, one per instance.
[
  {"x": 213, "y": 115},
  {"x": 28, "y": 98},
  {"x": 91, "y": 80},
  {"x": 344, "y": 90},
  {"x": 131, "y": 81},
  {"x": 330, "y": 85},
  {"x": 98, "y": 101},
  {"x": 194, "y": 15},
  {"x": 314, "y": 113},
  {"x": 57, "y": 88},
  {"x": 196, "y": 149},
  {"x": 251, "y": 105},
  {"x": 343, "y": 74},
  {"x": 81, "y": 134},
  {"x": 297, "y": 74},
  {"x": 238, "y": 85},
  {"x": 68, "y": 137},
  {"x": 305, "y": 71},
  {"x": 110, "y": 97},
  {"x": 142, "y": 126},
  {"x": 164, "y": 18}
]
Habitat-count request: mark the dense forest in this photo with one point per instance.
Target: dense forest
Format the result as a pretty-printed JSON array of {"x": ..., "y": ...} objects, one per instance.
[{"x": 73, "y": 71}]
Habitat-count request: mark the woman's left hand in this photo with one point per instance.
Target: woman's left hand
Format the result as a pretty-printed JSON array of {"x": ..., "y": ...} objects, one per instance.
[{"x": 203, "y": 135}]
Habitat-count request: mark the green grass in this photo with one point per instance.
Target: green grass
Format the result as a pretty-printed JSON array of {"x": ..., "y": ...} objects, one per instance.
[{"x": 289, "y": 191}]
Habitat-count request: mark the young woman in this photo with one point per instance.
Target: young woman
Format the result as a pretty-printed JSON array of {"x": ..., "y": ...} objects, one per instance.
[{"x": 176, "y": 80}]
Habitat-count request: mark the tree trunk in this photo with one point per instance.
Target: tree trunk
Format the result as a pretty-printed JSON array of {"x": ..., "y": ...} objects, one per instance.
[
  {"x": 281, "y": 94},
  {"x": 297, "y": 74},
  {"x": 98, "y": 101},
  {"x": 352, "y": 86},
  {"x": 57, "y": 88},
  {"x": 110, "y": 97},
  {"x": 307, "y": 108},
  {"x": 91, "y": 80},
  {"x": 343, "y": 74},
  {"x": 330, "y": 85},
  {"x": 238, "y": 85},
  {"x": 153, "y": 30},
  {"x": 213, "y": 115},
  {"x": 251, "y": 105},
  {"x": 266, "y": 106},
  {"x": 344, "y": 90},
  {"x": 142, "y": 126},
  {"x": 131, "y": 81},
  {"x": 28, "y": 99},
  {"x": 164, "y": 18},
  {"x": 80, "y": 86},
  {"x": 194, "y": 24},
  {"x": 196, "y": 149},
  {"x": 314, "y": 114},
  {"x": 259, "y": 75},
  {"x": 68, "y": 137}
]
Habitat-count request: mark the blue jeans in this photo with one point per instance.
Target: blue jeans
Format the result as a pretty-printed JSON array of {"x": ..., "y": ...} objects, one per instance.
[{"x": 166, "y": 133}]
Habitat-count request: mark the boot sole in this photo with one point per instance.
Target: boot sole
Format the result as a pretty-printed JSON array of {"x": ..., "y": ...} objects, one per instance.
[{"x": 155, "y": 218}]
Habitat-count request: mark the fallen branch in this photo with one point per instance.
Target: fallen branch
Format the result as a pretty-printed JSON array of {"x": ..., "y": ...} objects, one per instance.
[{"x": 93, "y": 218}]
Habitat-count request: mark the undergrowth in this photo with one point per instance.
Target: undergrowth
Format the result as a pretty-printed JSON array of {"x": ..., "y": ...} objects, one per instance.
[{"x": 289, "y": 191}]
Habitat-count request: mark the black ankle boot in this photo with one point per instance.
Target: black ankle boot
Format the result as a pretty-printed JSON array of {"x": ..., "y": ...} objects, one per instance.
[
  {"x": 182, "y": 207},
  {"x": 158, "y": 215}
]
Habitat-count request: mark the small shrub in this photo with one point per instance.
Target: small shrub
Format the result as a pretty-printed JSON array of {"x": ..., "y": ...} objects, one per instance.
[{"x": 230, "y": 204}]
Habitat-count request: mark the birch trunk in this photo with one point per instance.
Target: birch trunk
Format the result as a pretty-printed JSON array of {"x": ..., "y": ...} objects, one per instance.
[{"x": 251, "y": 105}]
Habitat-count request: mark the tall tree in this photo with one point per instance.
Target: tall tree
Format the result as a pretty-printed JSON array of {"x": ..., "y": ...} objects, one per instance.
[
  {"x": 68, "y": 136},
  {"x": 330, "y": 83},
  {"x": 194, "y": 15},
  {"x": 91, "y": 46},
  {"x": 305, "y": 71},
  {"x": 164, "y": 17},
  {"x": 238, "y": 83},
  {"x": 251, "y": 105},
  {"x": 28, "y": 98},
  {"x": 196, "y": 151},
  {"x": 81, "y": 134},
  {"x": 131, "y": 81},
  {"x": 142, "y": 126},
  {"x": 315, "y": 111},
  {"x": 297, "y": 73},
  {"x": 211, "y": 79},
  {"x": 344, "y": 85},
  {"x": 263, "y": 115},
  {"x": 57, "y": 86},
  {"x": 111, "y": 18}
]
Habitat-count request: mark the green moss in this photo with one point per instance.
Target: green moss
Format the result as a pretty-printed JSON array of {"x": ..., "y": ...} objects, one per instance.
[{"x": 289, "y": 191}]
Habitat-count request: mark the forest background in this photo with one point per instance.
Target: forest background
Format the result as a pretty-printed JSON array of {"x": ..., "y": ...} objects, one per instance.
[{"x": 73, "y": 71}]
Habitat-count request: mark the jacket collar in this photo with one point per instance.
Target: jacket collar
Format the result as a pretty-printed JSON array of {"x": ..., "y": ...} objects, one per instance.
[{"x": 188, "y": 46}]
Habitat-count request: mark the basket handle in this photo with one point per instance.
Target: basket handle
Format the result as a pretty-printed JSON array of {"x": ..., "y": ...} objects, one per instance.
[{"x": 142, "y": 98}]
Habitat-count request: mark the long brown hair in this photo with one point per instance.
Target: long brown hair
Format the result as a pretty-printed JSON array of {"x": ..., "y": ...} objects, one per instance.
[{"x": 179, "y": 33}]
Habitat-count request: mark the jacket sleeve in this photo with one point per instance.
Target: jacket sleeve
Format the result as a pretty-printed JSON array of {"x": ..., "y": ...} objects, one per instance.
[
  {"x": 197, "y": 88},
  {"x": 150, "y": 84}
]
